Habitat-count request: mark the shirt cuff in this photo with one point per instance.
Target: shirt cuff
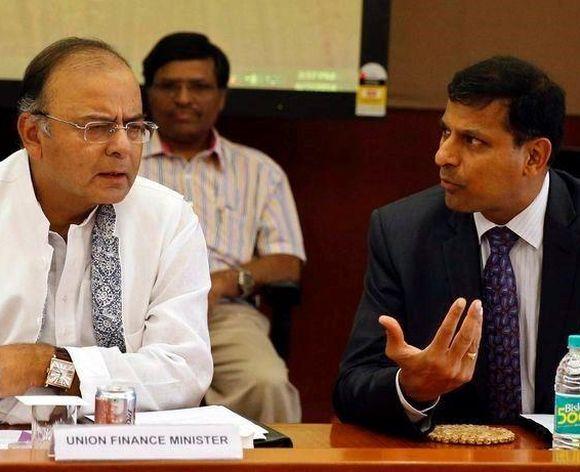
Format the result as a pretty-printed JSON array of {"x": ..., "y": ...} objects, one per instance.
[
  {"x": 414, "y": 415},
  {"x": 92, "y": 370}
]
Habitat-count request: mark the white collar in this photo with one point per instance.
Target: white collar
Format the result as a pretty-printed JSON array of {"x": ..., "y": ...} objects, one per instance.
[
  {"x": 156, "y": 147},
  {"x": 528, "y": 224}
]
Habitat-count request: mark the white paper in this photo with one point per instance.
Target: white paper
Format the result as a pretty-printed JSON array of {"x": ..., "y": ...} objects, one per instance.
[
  {"x": 213, "y": 414},
  {"x": 51, "y": 400},
  {"x": 10, "y": 436},
  {"x": 130, "y": 442},
  {"x": 547, "y": 421}
]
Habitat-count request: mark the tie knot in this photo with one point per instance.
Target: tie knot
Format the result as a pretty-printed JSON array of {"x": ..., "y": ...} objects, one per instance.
[
  {"x": 501, "y": 239},
  {"x": 105, "y": 221}
]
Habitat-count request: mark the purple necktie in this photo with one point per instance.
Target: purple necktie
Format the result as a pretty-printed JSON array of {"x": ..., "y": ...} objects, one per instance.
[{"x": 501, "y": 329}]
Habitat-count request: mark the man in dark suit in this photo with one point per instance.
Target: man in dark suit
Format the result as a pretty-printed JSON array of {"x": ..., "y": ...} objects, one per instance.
[{"x": 479, "y": 276}]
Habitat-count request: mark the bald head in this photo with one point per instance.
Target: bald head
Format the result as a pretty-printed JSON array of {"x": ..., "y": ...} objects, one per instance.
[{"x": 73, "y": 53}]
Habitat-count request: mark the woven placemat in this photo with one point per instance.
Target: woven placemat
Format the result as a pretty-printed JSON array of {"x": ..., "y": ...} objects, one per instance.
[{"x": 479, "y": 435}]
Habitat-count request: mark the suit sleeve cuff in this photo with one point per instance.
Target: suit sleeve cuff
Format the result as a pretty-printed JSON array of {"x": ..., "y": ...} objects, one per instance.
[{"x": 415, "y": 415}]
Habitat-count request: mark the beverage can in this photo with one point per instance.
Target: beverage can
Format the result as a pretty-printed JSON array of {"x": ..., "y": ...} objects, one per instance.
[{"x": 115, "y": 404}]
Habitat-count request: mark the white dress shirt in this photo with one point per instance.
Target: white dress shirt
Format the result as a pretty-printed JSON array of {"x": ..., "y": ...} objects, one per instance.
[
  {"x": 526, "y": 259},
  {"x": 165, "y": 281}
]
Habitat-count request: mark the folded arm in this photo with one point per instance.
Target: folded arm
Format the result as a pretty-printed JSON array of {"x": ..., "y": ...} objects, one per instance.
[{"x": 265, "y": 270}]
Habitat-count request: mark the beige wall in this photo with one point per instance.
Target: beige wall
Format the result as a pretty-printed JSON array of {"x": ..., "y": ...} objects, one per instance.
[{"x": 431, "y": 39}]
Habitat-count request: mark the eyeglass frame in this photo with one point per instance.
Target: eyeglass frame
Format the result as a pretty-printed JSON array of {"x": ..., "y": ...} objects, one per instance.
[{"x": 117, "y": 127}]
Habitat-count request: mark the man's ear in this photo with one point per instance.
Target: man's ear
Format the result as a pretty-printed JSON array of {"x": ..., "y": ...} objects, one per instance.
[
  {"x": 29, "y": 129},
  {"x": 224, "y": 95},
  {"x": 538, "y": 155}
]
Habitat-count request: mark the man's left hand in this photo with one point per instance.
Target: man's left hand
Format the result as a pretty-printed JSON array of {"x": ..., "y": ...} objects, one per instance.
[{"x": 224, "y": 283}]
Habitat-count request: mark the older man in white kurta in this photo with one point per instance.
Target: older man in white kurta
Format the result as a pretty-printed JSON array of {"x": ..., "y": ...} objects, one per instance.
[{"x": 108, "y": 268}]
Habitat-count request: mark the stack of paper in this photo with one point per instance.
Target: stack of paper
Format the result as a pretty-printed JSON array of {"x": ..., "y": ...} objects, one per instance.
[
  {"x": 214, "y": 414},
  {"x": 12, "y": 436}
]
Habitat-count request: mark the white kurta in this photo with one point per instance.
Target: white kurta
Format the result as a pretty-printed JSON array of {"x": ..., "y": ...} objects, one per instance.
[{"x": 165, "y": 281}]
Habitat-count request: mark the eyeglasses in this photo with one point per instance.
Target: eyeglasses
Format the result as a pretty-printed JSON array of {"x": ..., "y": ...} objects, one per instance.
[
  {"x": 172, "y": 88},
  {"x": 102, "y": 131}
]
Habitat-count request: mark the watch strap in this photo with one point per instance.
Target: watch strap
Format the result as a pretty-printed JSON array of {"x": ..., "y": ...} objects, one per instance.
[{"x": 62, "y": 353}]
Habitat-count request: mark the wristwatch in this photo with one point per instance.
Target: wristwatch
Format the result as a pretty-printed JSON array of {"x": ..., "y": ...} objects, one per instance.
[
  {"x": 61, "y": 370},
  {"x": 245, "y": 282}
]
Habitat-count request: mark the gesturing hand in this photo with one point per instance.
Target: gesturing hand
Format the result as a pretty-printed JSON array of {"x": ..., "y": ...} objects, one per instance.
[{"x": 445, "y": 364}]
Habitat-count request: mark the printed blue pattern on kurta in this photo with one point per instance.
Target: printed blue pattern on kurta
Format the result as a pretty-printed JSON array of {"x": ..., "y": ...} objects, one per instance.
[{"x": 106, "y": 280}]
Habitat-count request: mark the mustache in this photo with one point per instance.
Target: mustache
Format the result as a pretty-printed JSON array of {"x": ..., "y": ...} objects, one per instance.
[
  {"x": 447, "y": 177},
  {"x": 186, "y": 108}
]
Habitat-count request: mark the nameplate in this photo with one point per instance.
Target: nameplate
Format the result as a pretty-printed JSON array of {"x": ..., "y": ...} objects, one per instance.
[{"x": 144, "y": 442}]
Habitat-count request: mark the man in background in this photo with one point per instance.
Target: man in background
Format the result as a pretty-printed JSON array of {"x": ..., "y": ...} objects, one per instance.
[
  {"x": 498, "y": 242},
  {"x": 104, "y": 275},
  {"x": 247, "y": 212}
]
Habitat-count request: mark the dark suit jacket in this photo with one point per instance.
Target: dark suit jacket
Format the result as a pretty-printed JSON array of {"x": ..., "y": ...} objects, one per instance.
[{"x": 422, "y": 256}]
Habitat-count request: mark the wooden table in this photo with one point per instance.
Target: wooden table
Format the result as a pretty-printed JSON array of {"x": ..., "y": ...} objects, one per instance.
[{"x": 329, "y": 447}]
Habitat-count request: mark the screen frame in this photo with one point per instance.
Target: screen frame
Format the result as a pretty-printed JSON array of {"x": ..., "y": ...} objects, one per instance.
[{"x": 302, "y": 104}]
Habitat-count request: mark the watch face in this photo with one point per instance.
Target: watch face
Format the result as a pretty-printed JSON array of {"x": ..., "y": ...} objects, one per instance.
[
  {"x": 245, "y": 282},
  {"x": 60, "y": 373},
  {"x": 246, "y": 279}
]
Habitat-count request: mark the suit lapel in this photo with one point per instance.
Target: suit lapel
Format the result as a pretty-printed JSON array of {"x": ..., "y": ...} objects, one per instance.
[
  {"x": 559, "y": 279},
  {"x": 463, "y": 264},
  {"x": 462, "y": 257}
]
